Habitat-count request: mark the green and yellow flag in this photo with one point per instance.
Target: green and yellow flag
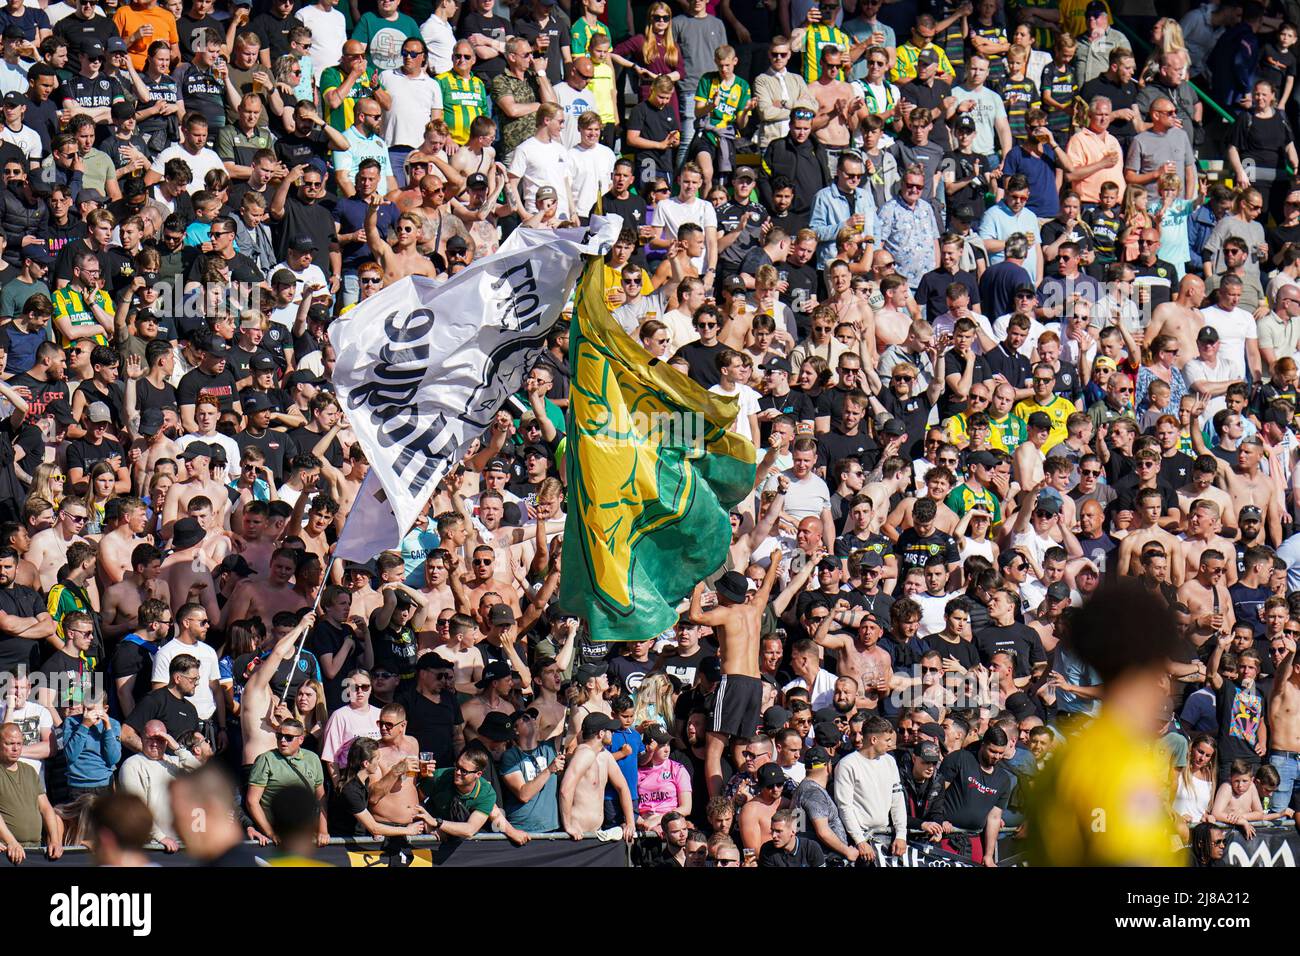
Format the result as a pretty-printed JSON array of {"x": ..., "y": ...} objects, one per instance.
[{"x": 653, "y": 474}]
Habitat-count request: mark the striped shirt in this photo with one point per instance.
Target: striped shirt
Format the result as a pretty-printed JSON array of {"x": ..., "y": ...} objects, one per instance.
[
  {"x": 905, "y": 66},
  {"x": 69, "y": 304},
  {"x": 1019, "y": 97},
  {"x": 731, "y": 100},
  {"x": 332, "y": 79},
  {"x": 582, "y": 32},
  {"x": 464, "y": 99},
  {"x": 816, "y": 38}
]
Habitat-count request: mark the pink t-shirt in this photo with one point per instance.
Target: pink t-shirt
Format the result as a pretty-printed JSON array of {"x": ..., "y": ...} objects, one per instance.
[
  {"x": 660, "y": 785},
  {"x": 344, "y": 726}
]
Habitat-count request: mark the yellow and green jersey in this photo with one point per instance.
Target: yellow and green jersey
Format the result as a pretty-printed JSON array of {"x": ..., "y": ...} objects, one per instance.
[
  {"x": 815, "y": 39},
  {"x": 69, "y": 304},
  {"x": 464, "y": 99},
  {"x": 905, "y": 65},
  {"x": 1058, "y": 410},
  {"x": 581, "y": 33},
  {"x": 962, "y": 498},
  {"x": 342, "y": 118},
  {"x": 1008, "y": 433},
  {"x": 731, "y": 100}
]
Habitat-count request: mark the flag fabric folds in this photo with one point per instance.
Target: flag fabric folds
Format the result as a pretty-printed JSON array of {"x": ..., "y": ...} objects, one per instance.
[
  {"x": 422, "y": 367},
  {"x": 653, "y": 472}
]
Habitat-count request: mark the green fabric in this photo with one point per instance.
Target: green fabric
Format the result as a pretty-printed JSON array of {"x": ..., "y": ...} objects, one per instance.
[
  {"x": 653, "y": 472},
  {"x": 441, "y": 791}
]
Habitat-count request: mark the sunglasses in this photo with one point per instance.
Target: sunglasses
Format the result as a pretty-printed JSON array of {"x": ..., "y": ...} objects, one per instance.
[
  {"x": 285, "y": 738},
  {"x": 389, "y": 724},
  {"x": 462, "y": 56},
  {"x": 411, "y": 54}
]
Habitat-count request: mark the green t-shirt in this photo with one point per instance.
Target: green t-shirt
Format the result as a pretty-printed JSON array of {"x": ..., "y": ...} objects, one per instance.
[
  {"x": 276, "y": 772},
  {"x": 19, "y": 789},
  {"x": 384, "y": 39},
  {"x": 16, "y": 293},
  {"x": 332, "y": 78},
  {"x": 962, "y": 498},
  {"x": 581, "y": 34},
  {"x": 440, "y": 791}
]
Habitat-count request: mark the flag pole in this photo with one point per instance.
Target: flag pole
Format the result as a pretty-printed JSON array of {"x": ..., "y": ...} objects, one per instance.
[{"x": 302, "y": 641}]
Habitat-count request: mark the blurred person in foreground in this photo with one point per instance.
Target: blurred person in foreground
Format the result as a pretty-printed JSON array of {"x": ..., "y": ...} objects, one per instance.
[{"x": 1102, "y": 799}]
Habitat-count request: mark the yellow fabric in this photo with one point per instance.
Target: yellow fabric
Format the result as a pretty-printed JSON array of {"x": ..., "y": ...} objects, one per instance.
[
  {"x": 1058, "y": 410},
  {"x": 1102, "y": 801}
]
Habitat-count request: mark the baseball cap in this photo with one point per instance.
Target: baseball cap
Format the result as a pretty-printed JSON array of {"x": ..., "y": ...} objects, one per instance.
[
  {"x": 498, "y": 465},
  {"x": 816, "y": 757},
  {"x": 927, "y": 751},
  {"x": 1058, "y": 591},
  {"x": 236, "y": 564},
  {"x": 1094, "y": 9},
  {"x": 14, "y": 32},
  {"x": 545, "y": 193},
  {"x": 871, "y": 559},
  {"x": 657, "y": 734},
  {"x": 493, "y": 670},
  {"x": 539, "y": 450},
  {"x": 500, "y": 615},
  {"x": 1039, "y": 420},
  {"x": 457, "y": 244},
  {"x": 302, "y": 377},
  {"x": 98, "y": 412},
  {"x": 151, "y": 420},
  {"x": 283, "y": 277},
  {"x": 255, "y": 402},
  {"x": 777, "y": 364},
  {"x": 965, "y": 212},
  {"x": 526, "y": 712},
  {"x": 1104, "y": 361},
  {"x": 895, "y": 426},
  {"x": 926, "y": 58},
  {"x": 186, "y": 533},
  {"x": 476, "y": 181},
  {"x": 984, "y": 459},
  {"x": 593, "y": 724},
  {"x": 302, "y": 244},
  {"x": 774, "y": 718},
  {"x": 745, "y": 172},
  {"x": 13, "y": 99},
  {"x": 770, "y": 775},
  {"x": 734, "y": 284},
  {"x": 932, "y": 729},
  {"x": 115, "y": 45},
  {"x": 36, "y": 251},
  {"x": 964, "y": 124},
  {"x": 733, "y": 586},
  {"x": 1208, "y": 335},
  {"x": 827, "y": 734},
  {"x": 711, "y": 668},
  {"x": 261, "y": 362},
  {"x": 218, "y": 348},
  {"x": 1049, "y": 504},
  {"x": 1025, "y": 290},
  {"x": 91, "y": 195},
  {"x": 587, "y": 671},
  {"x": 1250, "y": 511},
  {"x": 433, "y": 662},
  {"x": 92, "y": 49}
]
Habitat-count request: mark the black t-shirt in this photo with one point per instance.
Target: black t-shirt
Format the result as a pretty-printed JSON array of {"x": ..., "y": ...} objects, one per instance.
[
  {"x": 1126, "y": 493},
  {"x": 327, "y": 638},
  {"x": 272, "y": 443},
  {"x": 653, "y": 124},
  {"x": 965, "y": 652},
  {"x": 954, "y": 364},
  {"x": 494, "y": 28},
  {"x": 76, "y": 32},
  {"x": 345, "y": 803},
  {"x": 197, "y": 382},
  {"x": 632, "y": 209},
  {"x": 132, "y": 660},
  {"x": 1176, "y": 469},
  {"x": 914, "y": 551},
  {"x": 1121, "y": 98},
  {"x": 834, "y": 445},
  {"x": 397, "y": 644},
  {"x": 932, "y": 293},
  {"x": 82, "y": 454},
  {"x": 294, "y": 150},
  {"x": 684, "y": 668},
  {"x": 203, "y": 93},
  {"x": 805, "y": 853},
  {"x": 309, "y": 219},
  {"x": 794, "y": 403},
  {"x": 1241, "y": 715},
  {"x": 177, "y": 713},
  {"x": 628, "y": 672},
  {"x": 930, "y": 97},
  {"x": 307, "y": 668},
  {"x": 273, "y": 31},
  {"x": 913, "y": 410},
  {"x": 146, "y": 396},
  {"x": 972, "y": 794},
  {"x": 702, "y": 362},
  {"x": 433, "y": 725},
  {"x": 1017, "y": 637},
  {"x": 801, "y": 285},
  {"x": 19, "y": 651},
  {"x": 305, "y": 440}
]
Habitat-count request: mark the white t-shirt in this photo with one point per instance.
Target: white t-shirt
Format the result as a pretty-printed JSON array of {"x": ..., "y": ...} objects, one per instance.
[
  {"x": 209, "y": 670},
  {"x": 1224, "y": 370},
  {"x": 440, "y": 40},
  {"x": 234, "y": 460},
  {"x": 593, "y": 171},
  {"x": 988, "y": 109},
  {"x": 33, "y": 720},
  {"x": 329, "y": 31},
  {"x": 932, "y": 607},
  {"x": 1234, "y": 329},
  {"x": 1036, "y": 328},
  {"x": 806, "y": 498},
  {"x": 672, "y": 214},
  {"x": 313, "y": 274},
  {"x": 574, "y": 103},
  {"x": 200, "y": 163},
  {"x": 539, "y": 164},
  {"x": 414, "y": 100},
  {"x": 25, "y": 139},
  {"x": 822, "y": 691},
  {"x": 748, "y": 399}
]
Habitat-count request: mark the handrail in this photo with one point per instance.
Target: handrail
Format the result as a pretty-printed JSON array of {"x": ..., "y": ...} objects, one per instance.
[{"x": 1146, "y": 47}]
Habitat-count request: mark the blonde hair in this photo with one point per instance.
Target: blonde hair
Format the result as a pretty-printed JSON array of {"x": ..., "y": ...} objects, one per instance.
[
  {"x": 650, "y": 48},
  {"x": 655, "y": 701}
]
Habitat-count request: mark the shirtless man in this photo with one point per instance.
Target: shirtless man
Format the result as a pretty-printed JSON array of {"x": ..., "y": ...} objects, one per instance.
[
  {"x": 860, "y": 657},
  {"x": 401, "y": 258},
  {"x": 144, "y": 581},
  {"x": 1284, "y": 724},
  {"x": 1203, "y": 533},
  {"x": 265, "y": 597},
  {"x": 1147, "y": 529},
  {"x": 1247, "y": 484},
  {"x": 257, "y": 704},
  {"x": 255, "y": 543},
  {"x": 551, "y": 711},
  {"x": 481, "y": 580},
  {"x": 735, "y": 623},
  {"x": 1027, "y": 460},
  {"x": 396, "y": 803},
  {"x": 356, "y": 578},
  {"x": 217, "y": 541},
  {"x": 496, "y": 689},
  {"x": 462, "y": 637},
  {"x": 938, "y": 482},
  {"x": 1206, "y": 596},
  {"x": 438, "y": 598},
  {"x": 320, "y": 517},
  {"x": 582, "y": 788},
  {"x": 49, "y": 548},
  {"x": 852, "y": 308},
  {"x": 116, "y": 547},
  {"x": 756, "y": 815},
  {"x": 185, "y": 570},
  {"x": 896, "y": 479},
  {"x": 1202, "y": 486},
  {"x": 196, "y": 482},
  {"x": 892, "y": 321},
  {"x": 1180, "y": 317}
]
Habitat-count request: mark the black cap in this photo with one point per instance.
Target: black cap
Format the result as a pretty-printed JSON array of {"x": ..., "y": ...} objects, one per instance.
[
  {"x": 927, "y": 751},
  {"x": 186, "y": 533},
  {"x": 933, "y": 729},
  {"x": 985, "y": 459},
  {"x": 151, "y": 420},
  {"x": 1094, "y": 9},
  {"x": 770, "y": 775},
  {"x": 777, "y": 364},
  {"x": 1058, "y": 591},
  {"x": 871, "y": 559},
  {"x": 433, "y": 662},
  {"x": 828, "y": 735},
  {"x": 1050, "y": 504},
  {"x": 733, "y": 586},
  {"x": 965, "y": 212},
  {"x": 816, "y": 757},
  {"x": 237, "y": 564},
  {"x": 656, "y": 734},
  {"x": 476, "y": 181},
  {"x": 1039, "y": 420},
  {"x": 588, "y": 671},
  {"x": 492, "y": 671},
  {"x": 498, "y": 465},
  {"x": 895, "y": 426},
  {"x": 457, "y": 244},
  {"x": 775, "y": 718},
  {"x": 115, "y": 45},
  {"x": 501, "y": 615},
  {"x": 13, "y": 99},
  {"x": 532, "y": 712},
  {"x": 926, "y": 57},
  {"x": 302, "y": 243},
  {"x": 593, "y": 724},
  {"x": 302, "y": 377},
  {"x": 1208, "y": 335},
  {"x": 497, "y": 726},
  {"x": 218, "y": 348},
  {"x": 964, "y": 124},
  {"x": 711, "y": 668},
  {"x": 14, "y": 32},
  {"x": 255, "y": 402},
  {"x": 196, "y": 449},
  {"x": 540, "y": 451},
  {"x": 92, "y": 49}
]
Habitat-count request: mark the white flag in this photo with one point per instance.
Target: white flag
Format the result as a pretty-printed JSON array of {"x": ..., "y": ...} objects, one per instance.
[
  {"x": 422, "y": 367},
  {"x": 371, "y": 526}
]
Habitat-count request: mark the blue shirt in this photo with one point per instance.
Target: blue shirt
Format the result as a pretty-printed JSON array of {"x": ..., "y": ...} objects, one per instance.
[
  {"x": 93, "y": 753},
  {"x": 910, "y": 234},
  {"x": 626, "y": 765},
  {"x": 363, "y": 147},
  {"x": 1199, "y": 226},
  {"x": 831, "y": 209},
  {"x": 542, "y": 813},
  {"x": 351, "y": 216},
  {"x": 999, "y": 223},
  {"x": 415, "y": 548},
  {"x": 1041, "y": 173}
]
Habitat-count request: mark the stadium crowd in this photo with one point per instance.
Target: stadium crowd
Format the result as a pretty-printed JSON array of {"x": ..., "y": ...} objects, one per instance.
[{"x": 1009, "y": 309}]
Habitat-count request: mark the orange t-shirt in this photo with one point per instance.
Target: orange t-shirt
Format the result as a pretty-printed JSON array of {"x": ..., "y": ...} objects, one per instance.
[{"x": 128, "y": 19}]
